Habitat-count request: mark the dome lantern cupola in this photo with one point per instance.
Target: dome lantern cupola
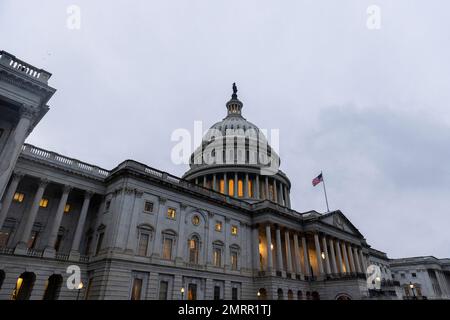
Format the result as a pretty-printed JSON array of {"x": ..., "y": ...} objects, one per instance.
[{"x": 234, "y": 106}]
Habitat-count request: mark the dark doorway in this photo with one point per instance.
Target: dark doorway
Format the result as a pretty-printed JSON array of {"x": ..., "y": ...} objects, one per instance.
[
  {"x": 54, "y": 283},
  {"x": 24, "y": 286}
]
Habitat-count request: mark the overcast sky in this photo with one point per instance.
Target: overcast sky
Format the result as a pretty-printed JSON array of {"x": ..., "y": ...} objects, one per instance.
[{"x": 370, "y": 108}]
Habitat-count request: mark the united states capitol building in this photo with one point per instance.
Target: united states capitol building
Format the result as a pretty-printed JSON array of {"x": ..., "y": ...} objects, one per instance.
[{"x": 225, "y": 230}]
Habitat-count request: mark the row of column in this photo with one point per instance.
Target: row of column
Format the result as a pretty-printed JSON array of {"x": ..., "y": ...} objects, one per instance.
[
  {"x": 259, "y": 189},
  {"x": 28, "y": 219},
  {"x": 350, "y": 257}
]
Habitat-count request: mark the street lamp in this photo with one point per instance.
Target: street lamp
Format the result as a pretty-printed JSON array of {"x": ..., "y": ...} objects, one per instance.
[
  {"x": 412, "y": 289},
  {"x": 258, "y": 294},
  {"x": 182, "y": 293},
  {"x": 80, "y": 286}
]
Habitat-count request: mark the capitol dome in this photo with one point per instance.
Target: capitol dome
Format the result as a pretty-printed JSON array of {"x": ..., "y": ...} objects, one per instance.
[{"x": 236, "y": 159}]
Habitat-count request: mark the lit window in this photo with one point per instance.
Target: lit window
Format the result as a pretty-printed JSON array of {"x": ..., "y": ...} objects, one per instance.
[
  {"x": 136, "y": 290},
  {"x": 217, "y": 257},
  {"x": 193, "y": 251},
  {"x": 43, "y": 203},
  {"x": 234, "y": 230},
  {"x": 218, "y": 226},
  {"x": 222, "y": 186},
  {"x": 249, "y": 188},
  {"x": 195, "y": 220},
  {"x": 234, "y": 260},
  {"x": 67, "y": 208},
  {"x": 240, "y": 188},
  {"x": 148, "y": 206},
  {"x": 231, "y": 187},
  {"x": 171, "y": 213},
  {"x": 167, "y": 249},
  {"x": 143, "y": 244},
  {"x": 18, "y": 197}
]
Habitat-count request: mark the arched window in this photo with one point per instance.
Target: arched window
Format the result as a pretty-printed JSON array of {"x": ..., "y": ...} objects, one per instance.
[
  {"x": 24, "y": 286},
  {"x": 280, "y": 294},
  {"x": 290, "y": 295},
  {"x": 299, "y": 295},
  {"x": 262, "y": 294},
  {"x": 193, "y": 250},
  {"x": 343, "y": 296},
  {"x": 308, "y": 295},
  {"x": 53, "y": 287},
  {"x": 2, "y": 277},
  {"x": 315, "y": 295}
]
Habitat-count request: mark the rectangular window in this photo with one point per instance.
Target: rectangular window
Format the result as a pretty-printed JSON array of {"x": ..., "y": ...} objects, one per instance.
[
  {"x": 33, "y": 239},
  {"x": 217, "y": 257},
  {"x": 221, "y": 186},
  {"x": 18, "y": 197},
  {"x": 414, "y": 275},
  {"x": 249, "y": 188},
  {"x": 136, "y": 290},
  {"x": 43, "y": 203},
  {"x": 148, "y": 206},
  {"x": 67, "y": 208},
  {"x": 234, "y": 293},
  {"x": 167, "y": 249},
  {"x": 234, "y": 230},
  {"x": 231, "y": 187},
  {"x": 192, "y": 291},
  {"x": 143, "y": 244},
  {"x": 216, "y": 293},
  {"x": 234, "y": 260},
  {"x": 58, "y": 242},
  {"x": 163, "y": 289},
  {"x": 171, "y": 213},
  {"x": 402, "y": 275},
  {"x": 88, "y": 245},
  {"x": 4, "y": 237},
  {"x": 240, "y": 188},
  {"x": 99, "y": 243},
  {"x": 218, "y": 226}
]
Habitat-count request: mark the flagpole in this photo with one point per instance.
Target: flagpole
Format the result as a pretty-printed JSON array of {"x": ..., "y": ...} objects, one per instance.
[{"x": 325, "y": 191}]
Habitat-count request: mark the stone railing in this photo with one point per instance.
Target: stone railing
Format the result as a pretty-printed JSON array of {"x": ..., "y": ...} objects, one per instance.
[
  {"x": 62, "y": 256},
  {"x": 4, "y": 250},
  {"x": 34, "y": 253},
  {"x": 10, "y": 61},
  {"x": 35, "y": 152}
]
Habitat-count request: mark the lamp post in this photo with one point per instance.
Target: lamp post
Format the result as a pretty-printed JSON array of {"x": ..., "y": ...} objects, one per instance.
[
  {"x": 80, "y": 286},
  {"x": 182, "y": 293},
  {"x": 412, "y": 289},
  {"x": 258, "y": 294}
]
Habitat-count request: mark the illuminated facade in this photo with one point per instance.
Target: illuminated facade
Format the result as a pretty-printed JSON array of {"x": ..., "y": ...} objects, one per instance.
[{"x": 223, "y": 231}]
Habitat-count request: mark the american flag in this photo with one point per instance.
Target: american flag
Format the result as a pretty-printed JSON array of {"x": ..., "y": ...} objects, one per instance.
[{"x": 317, "y": 180}]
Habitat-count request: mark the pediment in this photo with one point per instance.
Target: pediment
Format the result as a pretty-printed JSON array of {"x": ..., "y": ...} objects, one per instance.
[{"x": 338, "y": 220}]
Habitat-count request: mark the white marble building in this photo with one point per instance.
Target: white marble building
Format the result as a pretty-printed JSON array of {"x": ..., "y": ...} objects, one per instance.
[{"x": 223, "y": 231}]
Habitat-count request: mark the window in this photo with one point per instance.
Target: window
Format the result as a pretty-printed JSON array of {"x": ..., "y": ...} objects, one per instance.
[
  {"x": 231, "y": 187},
  {"x": 218, "y": 226},
  {"x": 222, "y": 186},
  {"x": 234, "y": 293},
  {"x": 99, "y": 243},
  {"x": 58, "y": 242},
  {"x": 171, "y": 213},
  {"x": 67, "y": 208},
  {"x": 402, "y": 275},
  {"x": 216, "y": 293},
  {"x": 414, "y": 275},
  {"x": 33, "y": 239},
  {"x": 148, "y": 206},
  {"x": 88, "y": 245},
  {"x": 249, "y": 188},
  {"x": 234, "y": 260},
  {"x": 192, "y": 291},
  {"x": 167, "y": 248},
  {"x": 163, "y": 290},
  {"x": 195, "y": 220},
  {"x": 18, "y": 197},
  {"x": 240, "y": 188},
  {"x": 234, "y": 230},
  {"x": 193, "y": 250},
  {"x": 143, "y": 244},
  {"x": 4, "y": 237},
  {"x": 217, "y": 257},
  {"x": 136, "y": 290},
  {"x": 43, "y": 203}
]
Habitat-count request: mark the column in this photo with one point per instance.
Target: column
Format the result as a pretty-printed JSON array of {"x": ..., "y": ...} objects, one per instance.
[
  {"x": 288, "y": 252},
  {"x": 269, "y": 249},
  {"x": 50, "y": 249},
  {"x": 275, "y": 196},
  {"x": 267, "y": 188},
  {"x": 204, "y": 181},
  {"x": 355, "y": 255},
  {"x": 11, "y": 151},
  {"x": 327, "y": 257},
  {"x": 80, "y": 224},
  {"x": 235, "y": 185},
  {"x": 340, "y": 261},
  {"x": 333, "y": 257},
  {"x": 279, "y": 254},
  {"x": 257, "y": 193},
  {"x": 181, "y": 243},
  {"x": 344, "y": 250},
  {"x": 214, "y": 182},
  {"x": 26, "y": 232},
  {"x": 318, "y": 253},
  {"x": 296, "y": 254},
  {"x": 255, "y": 240},
  {"x": 225, "y": 184},
  {"x": 287, "y": 199},
  {"x": 363, "y": 262},
  {"x": 246, "y": 186},
  {"x": 306, "y": 257},
  {"x": 281, "y": 196},
  {"x": 351, "y": 258},
  {"x": 9, "y": 196}
]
